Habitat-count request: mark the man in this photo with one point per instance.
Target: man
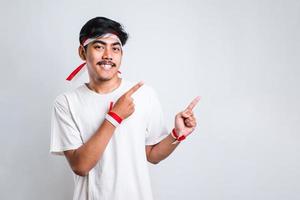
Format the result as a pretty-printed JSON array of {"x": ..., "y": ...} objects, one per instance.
[{"x": 109, "y": 128}]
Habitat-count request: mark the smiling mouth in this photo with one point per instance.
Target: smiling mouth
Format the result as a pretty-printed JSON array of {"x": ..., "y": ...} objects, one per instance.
[{"x": 106, "y": 65}]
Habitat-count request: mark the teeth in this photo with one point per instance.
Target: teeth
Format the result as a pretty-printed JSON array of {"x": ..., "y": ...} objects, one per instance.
[{"x": 106, "y": 67}]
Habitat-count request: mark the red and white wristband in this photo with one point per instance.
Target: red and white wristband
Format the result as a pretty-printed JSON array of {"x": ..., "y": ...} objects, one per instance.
[
  {"x": 177, "y": 136},
  {"x": 113, "y": 118}
]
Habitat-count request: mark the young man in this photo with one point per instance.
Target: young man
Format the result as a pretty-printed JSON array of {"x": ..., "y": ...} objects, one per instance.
[{"x": 109, "y": 128}]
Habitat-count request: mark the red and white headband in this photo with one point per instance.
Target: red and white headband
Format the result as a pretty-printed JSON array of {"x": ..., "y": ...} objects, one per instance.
[{"x": 107, "y": 35}]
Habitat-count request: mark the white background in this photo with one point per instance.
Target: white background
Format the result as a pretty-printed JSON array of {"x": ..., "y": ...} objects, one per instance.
[{"x": 242, "y": 57}]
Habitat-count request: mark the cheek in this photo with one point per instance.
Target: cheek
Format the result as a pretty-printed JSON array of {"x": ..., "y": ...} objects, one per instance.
[
  {"x": 118, "y": 59},
  {"x": 92, "y": 58}
]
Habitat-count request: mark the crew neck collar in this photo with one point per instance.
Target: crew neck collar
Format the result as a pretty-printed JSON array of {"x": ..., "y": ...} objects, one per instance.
[{"x": 104, "y": 94}]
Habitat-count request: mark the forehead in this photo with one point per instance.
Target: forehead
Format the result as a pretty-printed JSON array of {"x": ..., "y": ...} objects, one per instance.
[{"x": 108, "y": 40}]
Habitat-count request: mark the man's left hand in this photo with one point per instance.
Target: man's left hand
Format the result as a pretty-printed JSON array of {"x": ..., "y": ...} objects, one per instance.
[{"x": 185, "y": 121}]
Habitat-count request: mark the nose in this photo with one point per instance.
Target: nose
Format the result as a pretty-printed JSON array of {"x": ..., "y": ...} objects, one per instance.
[{"x": 107, "y": 55}]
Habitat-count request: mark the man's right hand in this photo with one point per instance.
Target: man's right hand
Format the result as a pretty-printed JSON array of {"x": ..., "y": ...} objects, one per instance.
[{"x": 124, "y": 106}]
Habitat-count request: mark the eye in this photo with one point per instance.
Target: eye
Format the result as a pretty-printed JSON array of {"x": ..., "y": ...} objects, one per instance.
[
  {"x": 116, "y": 49},
  {"x": 99, "y": 47}
]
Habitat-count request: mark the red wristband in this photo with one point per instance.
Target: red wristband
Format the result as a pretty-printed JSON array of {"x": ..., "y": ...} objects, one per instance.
[
  {"x": 177, "y": 137},
  {"x": 181, "y": 138},
  {"x": 175, "y": 133},
  {"x": 115, "y": 116}
]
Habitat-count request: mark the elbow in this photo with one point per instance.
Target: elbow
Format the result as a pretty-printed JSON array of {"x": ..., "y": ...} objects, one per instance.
[
  {"x": 153, "y": 161},
  {"x": 155, "y": 158},
  {"x": 80, "y": 171},
  {"x": 78, "y": 165}
]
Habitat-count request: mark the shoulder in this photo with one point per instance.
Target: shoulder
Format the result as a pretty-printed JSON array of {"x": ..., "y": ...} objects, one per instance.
[{"x": 63, "y": 99}]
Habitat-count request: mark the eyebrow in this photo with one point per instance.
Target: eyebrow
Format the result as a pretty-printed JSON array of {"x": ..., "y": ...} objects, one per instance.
[{"x": 104, "y": 43}]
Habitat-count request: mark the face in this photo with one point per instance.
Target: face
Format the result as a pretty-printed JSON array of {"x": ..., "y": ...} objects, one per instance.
[{"x": 103, "y": 57}]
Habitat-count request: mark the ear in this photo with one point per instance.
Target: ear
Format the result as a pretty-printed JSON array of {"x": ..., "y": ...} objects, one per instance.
[{"x": 81, "y": 52}]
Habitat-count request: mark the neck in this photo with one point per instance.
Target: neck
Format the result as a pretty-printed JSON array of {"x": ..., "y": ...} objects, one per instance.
[{"x": 103, "y": 87}]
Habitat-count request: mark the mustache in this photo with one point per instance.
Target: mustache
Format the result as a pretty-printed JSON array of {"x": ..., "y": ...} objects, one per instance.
[{"x": 105, "y": 62}]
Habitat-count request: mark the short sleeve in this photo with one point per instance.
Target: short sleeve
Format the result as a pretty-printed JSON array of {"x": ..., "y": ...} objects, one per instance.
[
  {"x": 156, "y": 128},
  {"x": 64, "y": 133}
]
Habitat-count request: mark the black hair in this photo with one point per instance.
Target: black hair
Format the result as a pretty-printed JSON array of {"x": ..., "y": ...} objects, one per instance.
[{"x": 101, "y": 25}]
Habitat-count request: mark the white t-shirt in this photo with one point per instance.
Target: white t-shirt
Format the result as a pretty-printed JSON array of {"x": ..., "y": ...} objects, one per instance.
[{"x": 122, "y": 172}]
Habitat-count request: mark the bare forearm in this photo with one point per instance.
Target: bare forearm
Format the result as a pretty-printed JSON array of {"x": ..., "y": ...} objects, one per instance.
[
  {"x": 85, "y": 157},
  {"x": 162, "y": 150}
]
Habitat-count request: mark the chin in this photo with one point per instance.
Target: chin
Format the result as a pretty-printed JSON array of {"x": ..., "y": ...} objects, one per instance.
[
  {"x": 101, "y": 75},
  {"x": 105, "y": 78},
  {"x": 100, "y": 78}
]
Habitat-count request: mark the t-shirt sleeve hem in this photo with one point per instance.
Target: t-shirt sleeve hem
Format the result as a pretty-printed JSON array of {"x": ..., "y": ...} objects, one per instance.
[
  {"x": 156, "y": 140},
  {"x": 60, "y": 151}
]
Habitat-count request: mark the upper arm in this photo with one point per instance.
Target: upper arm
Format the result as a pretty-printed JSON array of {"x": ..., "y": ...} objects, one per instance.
[
  {"x": 65, "y": 134},
  {"x": 156, "y": 127}
]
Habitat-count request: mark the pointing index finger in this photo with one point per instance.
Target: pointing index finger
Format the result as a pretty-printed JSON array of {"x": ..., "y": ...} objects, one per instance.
[
  {"x": 193, "y": 103},
  {"x": 134, "y": 88}
]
